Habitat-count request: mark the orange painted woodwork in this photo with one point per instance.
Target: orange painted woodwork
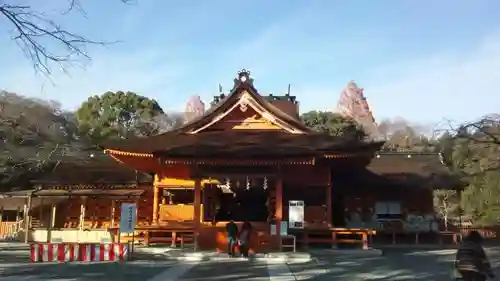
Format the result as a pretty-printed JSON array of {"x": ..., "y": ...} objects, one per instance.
[
  {"x": 177, "y": 171},
  {"x": 315, "y": 214},
  {"x": 137, "y": 162},
  {"x": 278, "y": 215},
  {"x": 247, "y": 120},
  {"x": 176, "y": 183},
  {"x": 98, "y": 210},
  {"x": 245, "y": 109},
  {"x": 306, "y": 175},
  {"x": 177, "y": 212},
  {"x": 156, "y": 202}
]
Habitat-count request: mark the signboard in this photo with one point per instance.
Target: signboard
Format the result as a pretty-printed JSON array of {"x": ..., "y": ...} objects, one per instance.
[
  {"x": 273, "y": 229},
  {"x": 296, "y": 213},
  {"x": 284, "y": 228},
  {"x": 128, "y": 217}
]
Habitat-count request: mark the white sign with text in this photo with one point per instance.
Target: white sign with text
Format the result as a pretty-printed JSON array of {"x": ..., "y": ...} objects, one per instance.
[
  {"x": 296, "y": 214},
  {"x": 128, "y": 217}
]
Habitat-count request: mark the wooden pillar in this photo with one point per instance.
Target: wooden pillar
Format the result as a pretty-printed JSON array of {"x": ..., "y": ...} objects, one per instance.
[
  {"x": 1, "y": 220},
  {"x": 329, "y": 190},
  {"x": 82, "y": 212},
  {"x": 460, "y": 210},
  {"x": 40, "y": 213},
  {"x": 51, "y": 224},
  {"x": 53, "y": 216},
  {"x": 113, "y": 212},
  {"x": 279, "y": 204},
  {"x": 329, "y": 205},
  {"x": 156, "y": 204},
  {"x": 93, "y": 216},
  {"x": 197, "y": 210},
  {"x": 27, "y": 218},
  {"x": 18, "y": 214}
]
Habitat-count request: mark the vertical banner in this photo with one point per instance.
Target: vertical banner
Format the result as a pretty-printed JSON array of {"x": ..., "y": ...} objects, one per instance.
[
  {"x": 296, "y": 214},
  {"x": 128, "y": 217}
]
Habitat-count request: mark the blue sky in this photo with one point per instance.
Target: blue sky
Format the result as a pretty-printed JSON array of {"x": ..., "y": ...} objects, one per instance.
[{"x": 423, "y": 60}]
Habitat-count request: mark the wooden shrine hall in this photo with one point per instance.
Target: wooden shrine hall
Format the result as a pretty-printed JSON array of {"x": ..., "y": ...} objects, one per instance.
[{"x": 244, "y": 160}]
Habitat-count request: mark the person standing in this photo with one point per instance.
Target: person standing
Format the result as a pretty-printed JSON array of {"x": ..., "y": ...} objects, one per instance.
[
  {"x": 232, "y": 239},
  {"x": 244, "y": 238},
  {"x": 471, "y": 262}
]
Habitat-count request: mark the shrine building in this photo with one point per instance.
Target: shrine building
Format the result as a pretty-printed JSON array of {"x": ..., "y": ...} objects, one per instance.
[{"x": 248, "y": 158}]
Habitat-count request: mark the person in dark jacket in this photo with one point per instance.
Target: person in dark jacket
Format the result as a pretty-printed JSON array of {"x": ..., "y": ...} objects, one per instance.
[
  {"x": 232, "y": 237},
  {"x": 471, "y": 263},
  {"x": 244, "y": 238}
]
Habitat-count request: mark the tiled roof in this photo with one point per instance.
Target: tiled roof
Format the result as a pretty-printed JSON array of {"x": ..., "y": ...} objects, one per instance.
[
  {"x": 244, "y": 144},
  {"x": 78, "y": 192},
  {"x": 91, "y": 172},
  {"x": 419, "y": 169}
]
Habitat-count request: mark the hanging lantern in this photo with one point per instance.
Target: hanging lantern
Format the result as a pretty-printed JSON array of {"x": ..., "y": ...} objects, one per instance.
[
  {"x": 264, "y": 185},
  {"x": 248, "y": 184}
]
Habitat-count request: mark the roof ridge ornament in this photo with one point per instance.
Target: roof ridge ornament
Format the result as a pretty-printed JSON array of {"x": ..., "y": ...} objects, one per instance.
[{"x": 243, "y": 77}]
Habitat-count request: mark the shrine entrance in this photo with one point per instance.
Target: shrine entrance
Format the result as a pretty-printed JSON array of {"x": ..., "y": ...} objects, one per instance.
[
  {"x": 237, "y": 199},
  {"x": 338, "y": 208}
]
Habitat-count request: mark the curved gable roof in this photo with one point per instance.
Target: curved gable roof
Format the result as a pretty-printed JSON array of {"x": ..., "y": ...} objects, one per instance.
[{"x": 244, "y": 89}]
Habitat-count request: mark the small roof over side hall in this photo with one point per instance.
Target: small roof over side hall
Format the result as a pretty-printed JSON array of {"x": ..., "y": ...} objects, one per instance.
[
  {"x": 75, "y": 192},
  {"x": 400, "y": 170},
  {"x": 415, "y": 169},
  {"x": 98, "y": 178},
  {"x": 93, "y": 172}
]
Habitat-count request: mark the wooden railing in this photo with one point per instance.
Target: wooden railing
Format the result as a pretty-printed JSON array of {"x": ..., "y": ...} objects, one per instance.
[
  {"x": 489, "y": 232},
  {"x": 9, "y": 229},
  {"x": 177, "y": 212}
]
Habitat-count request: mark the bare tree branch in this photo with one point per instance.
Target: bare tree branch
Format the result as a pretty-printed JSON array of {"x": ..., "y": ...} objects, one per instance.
[
  {"x": 476, "y": 146},
  {"x": 34, "y": 134},
  {"x": 40, "y": 38},
  {"x": 485, "y": 130}
]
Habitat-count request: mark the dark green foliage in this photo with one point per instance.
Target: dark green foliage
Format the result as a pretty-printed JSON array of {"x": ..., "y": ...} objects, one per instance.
[
  {"x": 117, "y": 115},
  {"x": 332, "y": 124}
]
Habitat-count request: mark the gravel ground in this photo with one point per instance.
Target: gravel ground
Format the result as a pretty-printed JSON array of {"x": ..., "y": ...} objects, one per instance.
[
  {"x": 15, "y": 266},
  {"x": 394, "y": 265},
  {"x": 228, "y": 270}
]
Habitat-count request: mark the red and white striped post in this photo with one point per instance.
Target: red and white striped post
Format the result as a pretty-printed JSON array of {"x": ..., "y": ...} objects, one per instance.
[{"x": 66, "y": 252}]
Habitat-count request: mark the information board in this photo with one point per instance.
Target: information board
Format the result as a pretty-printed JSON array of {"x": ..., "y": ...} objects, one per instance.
[
  {"x": 273, "y": 229},
  {"x": 284, "y": 228},
  {"x": 296, "y": 214},
  {"x": 128, "y": 217}
]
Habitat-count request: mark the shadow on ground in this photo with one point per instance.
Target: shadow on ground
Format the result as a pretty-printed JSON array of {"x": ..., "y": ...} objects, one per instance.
[
  {"x": 228, "y": 271},
  {"x": 396, "y": 265},
  {"x": 15, "y": 265}
]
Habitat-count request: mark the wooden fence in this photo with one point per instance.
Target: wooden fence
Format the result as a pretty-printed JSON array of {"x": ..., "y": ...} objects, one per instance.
[{"x": 9, "y": 230}]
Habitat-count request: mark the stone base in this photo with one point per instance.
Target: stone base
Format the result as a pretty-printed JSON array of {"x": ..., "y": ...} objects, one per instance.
[
  {"x": 348, "y": 252},
  {"x": 177, "y": 254}
]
